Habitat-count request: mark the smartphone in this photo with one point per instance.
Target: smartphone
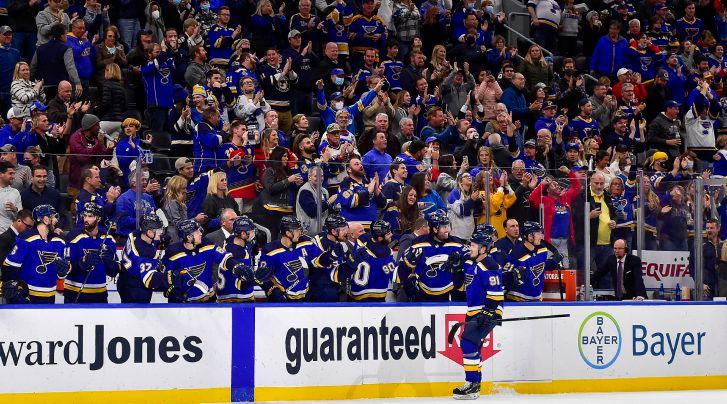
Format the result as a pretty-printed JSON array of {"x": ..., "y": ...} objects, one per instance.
[{"x": 466, "y": 160}]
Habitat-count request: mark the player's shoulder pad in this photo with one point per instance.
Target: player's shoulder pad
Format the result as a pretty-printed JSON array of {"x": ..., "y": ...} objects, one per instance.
[
  {"x": 272, "y": 247},
  {"x": 29, "y": 235},
  {"x": 421, "y": 241},
  {"x": 76, "y": 235},
  {"x": 455, "y": 239},
  {"x": 58, "y": 239},
  {"x": 304, "y": 241},
  {"x": 175, "y": 251}
]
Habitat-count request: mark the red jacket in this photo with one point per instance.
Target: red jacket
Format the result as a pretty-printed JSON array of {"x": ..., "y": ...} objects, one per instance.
[
  {"x": 83, "y": 153},
  {"x": 549, "y": 204}
]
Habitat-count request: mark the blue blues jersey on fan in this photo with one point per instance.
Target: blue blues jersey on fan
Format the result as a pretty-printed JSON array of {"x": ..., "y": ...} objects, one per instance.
[
  {"x": 375, "y": 272},
  {"x": 96, "y": 197},
  {"x": 141, "y": 272},
  {"x": 290, "y": 266},
  {"x": 194, "y": 269},
  {"x": 483, "y": 285},
  {"x": 535, "y": 262},
  {"x": 31, "y": 260},
  {"x": 392, "y": 71},
  {"x": 79, "y": 245},
  {"x": 583, "y": 128},
  {"x": 229, "y": 287},
  {"x": 196, "y": 192},
  {"x": 425, "y": 261}
]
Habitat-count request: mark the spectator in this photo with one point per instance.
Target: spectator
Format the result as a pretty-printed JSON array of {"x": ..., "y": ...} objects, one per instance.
[
  {"x": 663, "y": 131},
  {"x": 206, "y": 140},
  {"x": 57, "y": 61},
  {"x": 545, "y": 16},
  {"x": 455, "y": 90},
  {"x": 461, "y": 203},
  {"x": 158, "y": 85},
  {"x": 48, "y": 139},
  {"x": 38, "y": 193},
  {"x": 9, "y": 58},
  {"x": 21, "y": 17},
  {"x": 276, "y": 81},
  {"x": 218, "y": 198},
  {"x": 359, "y": 198},
  {"x": 406, "y": 19},
  {"x": 536, "y": 69},
  {"x": 674, "y": 215},
  {"x": 23, "y": 91},
  {"x": 13, "y": 126},
  {"x": 609, "y": 55},
  {"x": 10, "y": 201},
  {"x": 84, "y": 56},
  {"x": 275, "y": 199},
  {"x": 22, "y": 172},
  {"x": 86, "y": 147},
  {"x": 265, "y": 26},
  {"x": 307, "y": 201},
  {"x": 91, "y": 186},
  {"x": 129, "y": 147},
  {"x": 109, "y": 50},
  {"x": 403, "y": 212},
  {"x": 514, "y": 99},
  {"x": 113, "y": 106},
  {"x": 51, "y": 15},
  {"x": 376, "y": 161},
  {"x": 23, "y": 221},
  {"x": 175, "y": 205},
  {"x": 428, "y": 199},
  {"x": 601, "y": 217}
]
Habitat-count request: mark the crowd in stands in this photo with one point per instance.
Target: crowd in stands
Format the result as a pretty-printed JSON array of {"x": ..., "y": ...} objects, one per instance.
[{"x": 374, "y": 110}]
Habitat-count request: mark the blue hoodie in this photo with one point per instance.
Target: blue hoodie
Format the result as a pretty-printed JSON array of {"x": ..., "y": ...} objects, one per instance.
[{"x": 609, "y": 56}]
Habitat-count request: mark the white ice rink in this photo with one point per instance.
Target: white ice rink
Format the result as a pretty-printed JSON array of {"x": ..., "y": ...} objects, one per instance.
[{"x": 664, "y": 397}]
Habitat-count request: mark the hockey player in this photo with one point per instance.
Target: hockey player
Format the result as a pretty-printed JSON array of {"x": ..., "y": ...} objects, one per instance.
[
  {"x": 142, "y": 271},
  {"x": 190, "y": 263},
  {"x": 324, "y": 274},
  {"x": 37, "y": 261},
  {"x": 232, "y": 289},
  {"x": 92, "y": 255},
  {"x": 289, "y": 261},
  {"x": 374, "y": 264},
  {"x": 485, "y": 294},
  {"x": 530, "y": 259},
  {"x": 425, "y": 269}
]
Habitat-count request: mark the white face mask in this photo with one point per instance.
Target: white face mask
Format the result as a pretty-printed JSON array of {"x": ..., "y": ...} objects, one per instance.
[
  {"x": 155, "y": 14},
  {"x": 338, "y": 105}
]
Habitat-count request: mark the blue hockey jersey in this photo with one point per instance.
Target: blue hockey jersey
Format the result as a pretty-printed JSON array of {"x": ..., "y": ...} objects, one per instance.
[
  {"x": 79, "y": 244},
  {"x": 425, "y": 259},
  {"x": 194, "y": 268},
  {"x": 375, "y": 272},
  {"x": 356, "y": 204},
  {"x": 290, "y": 266},
  {"x": 535, "y": 261},
  {"x": 31, "y": 260},
  {"x": 141, "y": 263},
  {"x": 483, "y": 284},
  {"x": 231, "y": 289}
]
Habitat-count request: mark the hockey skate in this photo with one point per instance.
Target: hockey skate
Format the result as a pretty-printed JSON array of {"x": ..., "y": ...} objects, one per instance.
[{"x": 467, "y": 391}]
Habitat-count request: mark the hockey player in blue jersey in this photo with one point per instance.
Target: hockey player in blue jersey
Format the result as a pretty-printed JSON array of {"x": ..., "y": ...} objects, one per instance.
[
  {"x": 485, "y": 295},
  {"x": 142, "y": 270},
  {"x": 37, "y": 260},
  {"x": 190, "y": 261},
  {"x": 230, "y": 288},
  {"x": 529, "y": 261},
  {"x": 289, "y": 260},
  {"x": 324, "y": 282},
  {"x": 374, "y": 266},
  {"x": 424, "y": 270},
  {"x": 92, "y": 255}
]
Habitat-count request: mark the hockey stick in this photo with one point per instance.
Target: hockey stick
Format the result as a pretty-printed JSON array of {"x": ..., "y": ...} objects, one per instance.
[
  {"x": 103, "y": 250},
  {"x": 456, "y": 326}
]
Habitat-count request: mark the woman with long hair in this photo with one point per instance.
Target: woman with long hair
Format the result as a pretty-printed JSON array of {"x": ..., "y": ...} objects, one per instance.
[
  {"x": 175, "y": 205},
  {"x": 278, "y": 183},
  {"x": 109, "y": 50},
  {"x": 428, "y": 199},
  {"x": 23, "y": 91},
  {"x": 502, "y": 197},
  {"x": 489, "y": 93},
  {"x": 485, "y": 162},
  {"x": 266, "y": 26},
  {"x": 439, "y": 66},
  {"x": 652, "y": 208},
  {"x": 434, "y": 31},
  {"x": 268, "y": 142},
  {"x": 536, "y": 69},
  {"x": 404, "y": 107},
  {"x": 218, "y": 198},
  {"x": 461, "y": 203},
  {"x": 113, "y": 100},
  {"x": 675, "y": 216},
  {"x": 403, "y": 213}
]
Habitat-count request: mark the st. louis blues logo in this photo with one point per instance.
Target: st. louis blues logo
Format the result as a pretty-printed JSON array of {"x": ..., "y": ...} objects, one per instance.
[
  {"x": 396, "y": 71},
  {"x": 536, "y": 271},
  {"x": 194, "y": 272},
  {"x": 293, "y": 267},
  {"x": 645, "y": 63},
  {"x": 434, "y": 264},
  {"x": 370, "y": 29},
  {"x": 46, "y": 258}
]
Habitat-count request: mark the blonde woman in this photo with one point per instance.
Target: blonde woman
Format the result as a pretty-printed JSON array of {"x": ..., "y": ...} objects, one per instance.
[
  {"x": 536, "y": 69},
  {"x": 113, "y": 101},
  {"x": 218, "y": 198},
  {"x": 23, "y": 91},
  {"x": 175, "y": 205},
  {"x": 439, "y": 66}
]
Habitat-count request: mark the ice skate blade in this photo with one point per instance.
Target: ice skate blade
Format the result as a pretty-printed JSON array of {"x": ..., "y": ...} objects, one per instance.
[{"x": 471, "y": 396}]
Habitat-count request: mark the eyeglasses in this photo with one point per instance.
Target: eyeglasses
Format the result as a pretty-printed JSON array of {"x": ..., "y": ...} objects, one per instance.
[{"x": 27, "y": 224}]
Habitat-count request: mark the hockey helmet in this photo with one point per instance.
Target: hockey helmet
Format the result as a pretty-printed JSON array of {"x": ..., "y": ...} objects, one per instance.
[
  {"x": 530, "y": 227},
  {"x": 290, "y": 223},
  {"x": 438, "y": 218},
  {"x": 41, "y": 211},
  {"x": 482, "y": 236},
  {"x": 242, "y": 224},
  {"x": 93, "y": 209},
  {"x": 334, "y": 222},
  {"x": 187, "y": 227},
  {"x": 150, "y": 222},
  {"x": 380, "y": 228}
]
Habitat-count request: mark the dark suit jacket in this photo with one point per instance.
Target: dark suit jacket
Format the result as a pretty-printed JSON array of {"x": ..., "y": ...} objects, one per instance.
[
  {"x": 633, "y": 281},
  {"x": 7, "y": 242}
]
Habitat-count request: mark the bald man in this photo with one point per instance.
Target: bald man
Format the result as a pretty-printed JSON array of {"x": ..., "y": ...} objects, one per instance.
[
  {"x": 601, "y": 216},
  {"x": 624, "y": 269},
  {"x": 57, "y": 109}
]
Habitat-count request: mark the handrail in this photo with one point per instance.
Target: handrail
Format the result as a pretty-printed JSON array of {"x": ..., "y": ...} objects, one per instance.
[{"x": 521, "y": 36}]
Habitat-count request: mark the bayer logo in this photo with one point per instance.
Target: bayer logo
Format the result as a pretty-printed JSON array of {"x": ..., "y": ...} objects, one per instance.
[{"x": 599, "y": 340}]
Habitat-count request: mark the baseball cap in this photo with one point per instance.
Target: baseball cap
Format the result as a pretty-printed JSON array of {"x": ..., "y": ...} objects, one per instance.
[
  {"x": 334, "y": 127},
  {"x": 540, "y": 84},
  {"x": 660, "y": 155},
  {"x": 672, "y": 104},
  {"x": 337, "y": 72},
  {"x": 181, "y": 162},
  {"x": 659, "y": 6},
  {"x": 293, "y": 33},
  {"x": 583, "y": 101},
  {"x": 530, "y": 143},
  {"x": 8, "y": 148},
  {"x": 549, "y": 104},
  {"x": 662, "y": 74},
  {"x": 623, "y": 70},
  {"x": 336, "y": 95},
  {"x": 14, "y": 112},
  {"x": 5, "y": 29},
  {"x": 572, "y": 146},
  {"x": 431, "y": 139}
]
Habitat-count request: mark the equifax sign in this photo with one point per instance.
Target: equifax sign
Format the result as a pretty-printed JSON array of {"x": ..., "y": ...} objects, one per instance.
[
  {"x": 452, "y": 351},
  {"x": 666, "y": 267}
]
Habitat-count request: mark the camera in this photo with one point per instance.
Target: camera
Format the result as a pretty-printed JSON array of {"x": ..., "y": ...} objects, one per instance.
[{"x": 385, "y": 86}]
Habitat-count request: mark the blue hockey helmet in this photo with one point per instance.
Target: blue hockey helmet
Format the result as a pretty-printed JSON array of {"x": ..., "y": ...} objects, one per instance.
[
  {"x": 482, "y": 235},
  {"x": 290, "y": 223},
  {"x": 334, "y": 222},
  {"x": 489, "y": 229},
  {"x": 530, "y": 227},
  {"x": 380, "y": 228},
  {"x": 41, "y": 211},
  {"x": 93, "y": 209},
  {"x": 438, "y": 218},
  {"x": 242, "y": 224},
  {"x": 150, "y": 221},
  {"x": 187, "y": 227}
]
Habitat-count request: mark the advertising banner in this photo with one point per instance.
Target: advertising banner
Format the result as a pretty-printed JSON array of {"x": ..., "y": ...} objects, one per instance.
[
  {"x": 667, "y": 267},
  {"x": 102, "y": 349}
]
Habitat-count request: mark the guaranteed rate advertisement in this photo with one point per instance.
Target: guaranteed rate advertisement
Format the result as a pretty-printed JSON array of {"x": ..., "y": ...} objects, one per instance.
[
  {"x": 307, "y": 350},
  {"x": 96, "y": 349}
]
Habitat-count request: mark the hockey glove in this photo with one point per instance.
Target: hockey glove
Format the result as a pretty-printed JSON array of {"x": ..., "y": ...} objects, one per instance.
[
  {"x": 90, "y": 260},
  {"x": 243, "y": 271},
  {"x": 14, "y": 291},
  {"x": 62, "y": 267},
  {"x": 411, "y": 287},
  {"x": 341, "y": 251},
  {"x": 557, "y": 259},
  {"x": 263, "y": 273},
  {"x": 275, "y": 295}
]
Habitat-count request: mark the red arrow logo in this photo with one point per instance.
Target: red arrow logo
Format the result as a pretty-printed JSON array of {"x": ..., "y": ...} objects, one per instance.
[{"x": 453, "y": 351}]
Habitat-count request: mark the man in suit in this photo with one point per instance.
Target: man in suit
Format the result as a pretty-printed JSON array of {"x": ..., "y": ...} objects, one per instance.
[
  {"x": 227, "y": 218},
  {"x": 625, "y": 271},
  {"x": 23, "y": 221}
]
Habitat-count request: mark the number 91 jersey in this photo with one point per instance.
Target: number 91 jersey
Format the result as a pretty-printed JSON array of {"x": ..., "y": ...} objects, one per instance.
[{"x": 375, "y": 271}]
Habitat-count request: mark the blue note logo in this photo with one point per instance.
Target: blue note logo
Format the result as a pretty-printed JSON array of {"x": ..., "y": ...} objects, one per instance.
[{"x": 599, "y": 340}]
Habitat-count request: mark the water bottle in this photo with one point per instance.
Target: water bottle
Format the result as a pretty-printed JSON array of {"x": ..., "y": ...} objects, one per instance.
[
  {"x": 662, "y": 295},
  {"x": 678, "y": 293}
]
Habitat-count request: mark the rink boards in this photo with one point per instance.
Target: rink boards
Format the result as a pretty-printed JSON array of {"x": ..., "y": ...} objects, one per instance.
[{"x": 223, "y": 353}]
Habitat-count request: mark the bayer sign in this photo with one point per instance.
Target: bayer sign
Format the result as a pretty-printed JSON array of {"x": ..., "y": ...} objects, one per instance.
[{"x": 599, "y": 340}]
